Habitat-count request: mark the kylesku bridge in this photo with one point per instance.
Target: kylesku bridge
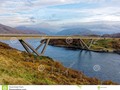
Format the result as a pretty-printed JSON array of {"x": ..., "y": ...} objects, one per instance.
[{"x": 46, "y": 39}]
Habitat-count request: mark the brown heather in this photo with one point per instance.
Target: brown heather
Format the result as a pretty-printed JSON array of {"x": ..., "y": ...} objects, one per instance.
[{"x": 17, "y": 67}]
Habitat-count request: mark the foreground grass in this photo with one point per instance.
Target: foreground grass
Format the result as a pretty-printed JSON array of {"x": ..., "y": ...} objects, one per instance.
[{"x": 17, "y": 67}]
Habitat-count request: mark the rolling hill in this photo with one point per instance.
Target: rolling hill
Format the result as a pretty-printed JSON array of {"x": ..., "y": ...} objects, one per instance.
[{"x": 9, "y": 30}]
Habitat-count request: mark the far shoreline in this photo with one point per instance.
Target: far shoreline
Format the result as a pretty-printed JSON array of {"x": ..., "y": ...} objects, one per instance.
[{"x": 77, "y": 48}]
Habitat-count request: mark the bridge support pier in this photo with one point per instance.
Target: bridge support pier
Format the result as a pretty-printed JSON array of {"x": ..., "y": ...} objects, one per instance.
[
  {"x": 91, "y": 42},
  {"x": 43, "y": 51},
  {"x": 29, "y": 48},
  {"x": 84, "y": 45}
]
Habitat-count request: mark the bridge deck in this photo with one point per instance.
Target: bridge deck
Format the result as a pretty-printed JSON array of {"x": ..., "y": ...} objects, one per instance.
[
  {"x": 38, "y": 36},
  {"x": 28, "y": 47}
]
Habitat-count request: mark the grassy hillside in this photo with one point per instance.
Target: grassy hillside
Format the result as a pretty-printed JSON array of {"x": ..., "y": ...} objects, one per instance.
[{"x": 18, "y": 67}]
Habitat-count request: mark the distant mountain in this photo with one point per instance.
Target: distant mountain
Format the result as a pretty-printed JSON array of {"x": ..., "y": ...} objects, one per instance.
[
  {"x": 115, "y": 35},
  {"x": 36, "y": 29},
  {"x": 75, "y": 31},
  {"x": 9, "y": 30},
  {"x": 105, "y": 28},
  {"x": 29, "y": 30},
  {"x": 100, "y": 27}
]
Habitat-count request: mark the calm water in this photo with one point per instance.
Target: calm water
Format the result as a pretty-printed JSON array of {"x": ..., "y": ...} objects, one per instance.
[{"x": 108, "y": 64}]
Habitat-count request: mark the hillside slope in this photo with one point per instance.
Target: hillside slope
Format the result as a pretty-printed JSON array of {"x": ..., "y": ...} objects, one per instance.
[
  {"x": 17, "y": 67},
  {"x": 9, "y": 30}
]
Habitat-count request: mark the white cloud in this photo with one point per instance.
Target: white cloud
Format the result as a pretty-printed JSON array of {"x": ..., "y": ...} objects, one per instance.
[
  {"x": 87, "y": 15},
  {"x": 17, "y": 12}
]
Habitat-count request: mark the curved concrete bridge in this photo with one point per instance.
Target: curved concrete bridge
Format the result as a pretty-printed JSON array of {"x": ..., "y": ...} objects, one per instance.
[{"x": 46, "y": 39}]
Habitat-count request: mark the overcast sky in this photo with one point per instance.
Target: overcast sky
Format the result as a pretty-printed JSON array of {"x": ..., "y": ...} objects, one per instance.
[{"x": 56, "y": 12}]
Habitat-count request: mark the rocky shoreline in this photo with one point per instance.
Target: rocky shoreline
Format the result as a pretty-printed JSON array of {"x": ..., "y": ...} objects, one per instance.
[{"x": 62, "y": 43}]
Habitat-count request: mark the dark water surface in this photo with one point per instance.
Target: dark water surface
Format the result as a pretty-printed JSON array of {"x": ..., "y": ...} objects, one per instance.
[{"x": 105, "y": 66}]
